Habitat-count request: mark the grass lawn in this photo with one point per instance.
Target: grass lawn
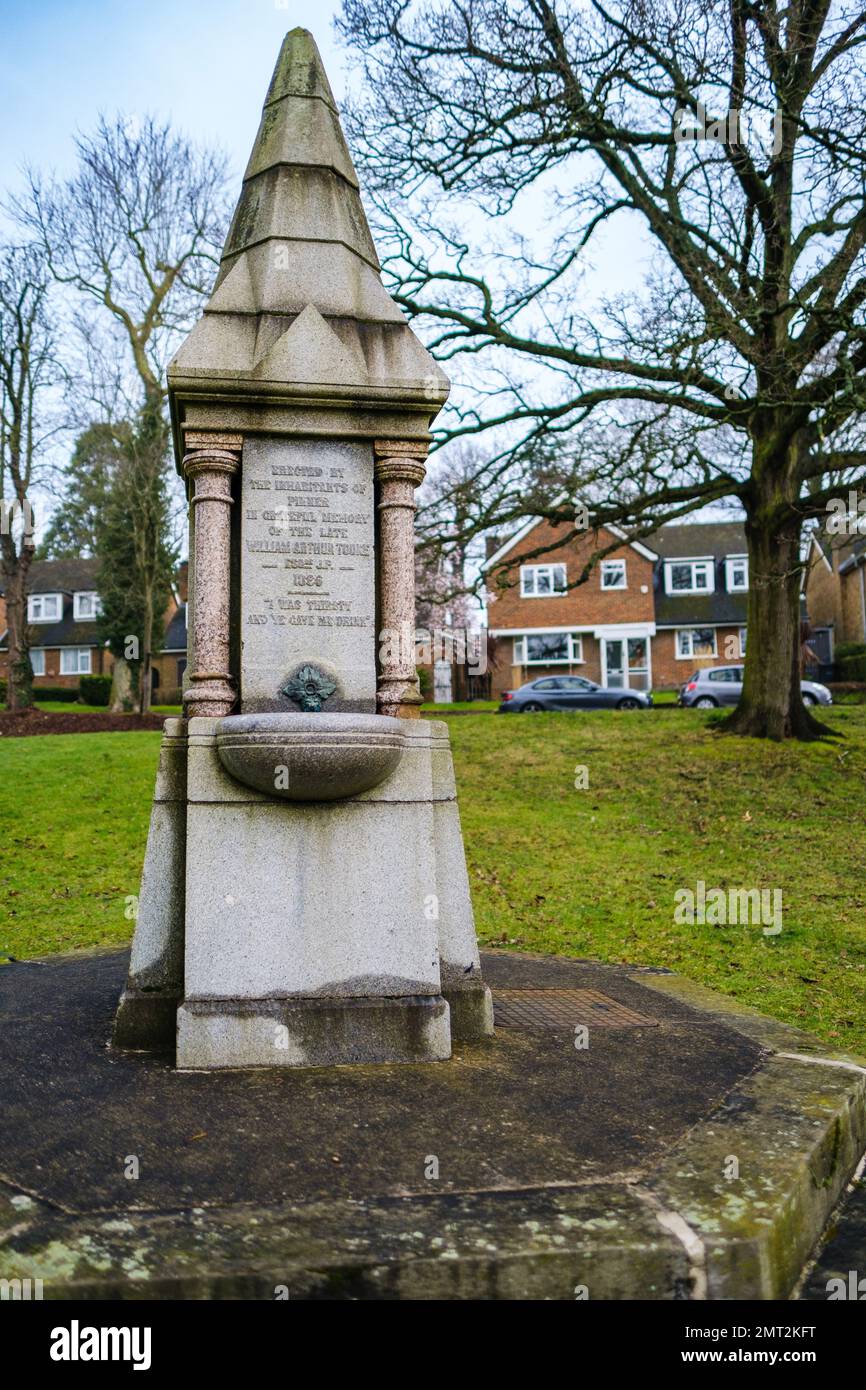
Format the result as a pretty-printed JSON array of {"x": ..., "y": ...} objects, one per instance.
[
  {"x": 73, "y": 707},
  {"x": 588, "y": 872}
]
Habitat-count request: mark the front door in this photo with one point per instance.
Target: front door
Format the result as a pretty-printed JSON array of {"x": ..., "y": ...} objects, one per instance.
[
  {"x": 614, "y": 663},
  {"x": 626, "y": 663},
  {"x": 638, "y": 663}
]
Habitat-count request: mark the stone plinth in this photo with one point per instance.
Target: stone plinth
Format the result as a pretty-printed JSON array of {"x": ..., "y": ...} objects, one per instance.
[{"x": 289, "y": 935}]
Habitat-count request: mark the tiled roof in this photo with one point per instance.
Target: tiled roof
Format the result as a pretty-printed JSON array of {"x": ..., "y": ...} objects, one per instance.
[
  {"x": 61, "y": 577},
  {"x": 701, "y": 610},
  {"x": 700, "y": 540},
  {"x": 65, "y": 633},
  {"x": 175, "y": 633},
  {"x": 68, "y": 577}
]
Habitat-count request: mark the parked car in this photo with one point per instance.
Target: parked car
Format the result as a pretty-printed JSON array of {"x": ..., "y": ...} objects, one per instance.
[
  {"x": 570, "y": 692},
  {"x": 723, "y": 685}
]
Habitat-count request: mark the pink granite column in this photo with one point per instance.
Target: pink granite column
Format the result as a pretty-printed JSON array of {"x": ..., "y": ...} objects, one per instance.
[
  {"x": 399, "y": 468},
  {"x": 209, "y": 464}
]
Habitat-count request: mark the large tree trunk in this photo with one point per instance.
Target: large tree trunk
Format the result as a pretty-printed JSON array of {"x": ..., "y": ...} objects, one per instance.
[
  {"x": 771, "y": 705},
  {"x": 19, "y": 687},
  {"x": 122, "y": 694}
]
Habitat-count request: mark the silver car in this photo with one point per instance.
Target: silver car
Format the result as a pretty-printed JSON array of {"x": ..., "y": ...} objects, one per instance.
[{"x": 723, "y": 685}]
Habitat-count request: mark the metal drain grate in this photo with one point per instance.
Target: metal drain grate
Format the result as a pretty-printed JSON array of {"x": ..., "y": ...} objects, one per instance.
[{"x": 536, "y": 1009}]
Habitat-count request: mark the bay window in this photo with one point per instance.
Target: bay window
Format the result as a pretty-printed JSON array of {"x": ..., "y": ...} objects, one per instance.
[{"x": 548, "y": 648}]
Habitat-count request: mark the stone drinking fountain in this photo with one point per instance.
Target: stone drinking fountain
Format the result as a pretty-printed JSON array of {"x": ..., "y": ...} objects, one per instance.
[{"x": 304, "y": 898}]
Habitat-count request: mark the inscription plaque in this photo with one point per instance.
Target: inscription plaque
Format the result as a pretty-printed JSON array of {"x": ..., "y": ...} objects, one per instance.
[{"x": 307, "y": 570}]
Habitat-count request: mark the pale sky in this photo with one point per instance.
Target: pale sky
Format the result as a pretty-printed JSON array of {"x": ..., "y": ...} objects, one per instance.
[{"x": 205, "y": 65}]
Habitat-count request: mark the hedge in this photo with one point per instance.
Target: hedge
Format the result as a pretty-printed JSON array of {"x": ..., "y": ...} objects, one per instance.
[
  {"x": 846, "y": 649},
  {"x": 46, "y": 692},
  {"x": 95, "y": 690},
  {"x": 852, "y": 668}
]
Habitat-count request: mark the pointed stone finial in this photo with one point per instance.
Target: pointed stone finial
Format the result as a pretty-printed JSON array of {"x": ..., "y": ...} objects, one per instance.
[{"x": 298, "y": 307}]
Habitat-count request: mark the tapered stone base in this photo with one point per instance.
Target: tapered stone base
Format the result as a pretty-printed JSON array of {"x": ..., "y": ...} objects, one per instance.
[
  {"x": 360, "y": 903},
  {"x": 241, "y": 1033},
  {"x": 145, "y": 1021}
]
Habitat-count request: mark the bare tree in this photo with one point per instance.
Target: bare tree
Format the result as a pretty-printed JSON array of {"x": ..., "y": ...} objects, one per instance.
[
  {"x": 137, "y": 233},
  {"x": 28, "y": 369},
  {"x": 448, "y": 502},
  {"x": 730, "y": 138}
]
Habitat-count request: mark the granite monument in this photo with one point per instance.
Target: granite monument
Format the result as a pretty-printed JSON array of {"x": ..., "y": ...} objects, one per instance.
[{"x": 304, "y": 899}]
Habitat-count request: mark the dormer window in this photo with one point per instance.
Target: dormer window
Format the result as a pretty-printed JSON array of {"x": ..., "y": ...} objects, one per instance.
[
  {"x": 737, "y": 574},
  {"x": 44, "y": 608},
  {"x": 689, "y": 577},
  {"x": 86, "y": 605},
  {"x": 542, "y": 581}
]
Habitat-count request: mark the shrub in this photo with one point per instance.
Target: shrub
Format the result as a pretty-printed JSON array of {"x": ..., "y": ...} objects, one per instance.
[
  {"x": 43, "y": 692},
  {"x": 846, "y": 649},
  {"x": 95, "y": 690},
  {"x": 852, "y": 668}
]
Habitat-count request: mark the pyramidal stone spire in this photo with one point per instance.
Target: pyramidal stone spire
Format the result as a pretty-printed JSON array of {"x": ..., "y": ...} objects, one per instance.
[{"x": 298, "y": 307}]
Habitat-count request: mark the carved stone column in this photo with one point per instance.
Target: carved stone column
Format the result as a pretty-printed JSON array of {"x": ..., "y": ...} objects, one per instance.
[
  {"x": 399, "y": 468},
  {"x": 209, "y": 463}
]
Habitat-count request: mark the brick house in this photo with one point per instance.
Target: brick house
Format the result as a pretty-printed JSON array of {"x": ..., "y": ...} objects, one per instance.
[
  {"x": 835, "y": 586},
  {"x": 62, "y": 607},
  {"x": 650, "y": 613}
]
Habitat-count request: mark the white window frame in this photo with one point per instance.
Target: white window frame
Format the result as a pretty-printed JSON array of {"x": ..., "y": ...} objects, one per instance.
[
  {"x": 37, "y": 658},
  {"x": 733, "y": 563},
  {"x": 76, "y": 605},
  {"x": 575, "y": 648},
  {"x": 682, "y": 632},
  {"x": 609, "y": 567},
  {"x": 706, "y": 565},
  {"x": 37, "y": 601},
  {"x": 75, "y": 652},
  {"x": 530, "y": 573}
]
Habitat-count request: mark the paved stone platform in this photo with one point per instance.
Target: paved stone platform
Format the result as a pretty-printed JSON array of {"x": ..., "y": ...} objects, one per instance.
[{"x": 526, "y": 1167}]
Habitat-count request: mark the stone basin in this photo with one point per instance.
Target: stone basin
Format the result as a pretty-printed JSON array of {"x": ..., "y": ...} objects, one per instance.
[{"x": 310, "y": 757}]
